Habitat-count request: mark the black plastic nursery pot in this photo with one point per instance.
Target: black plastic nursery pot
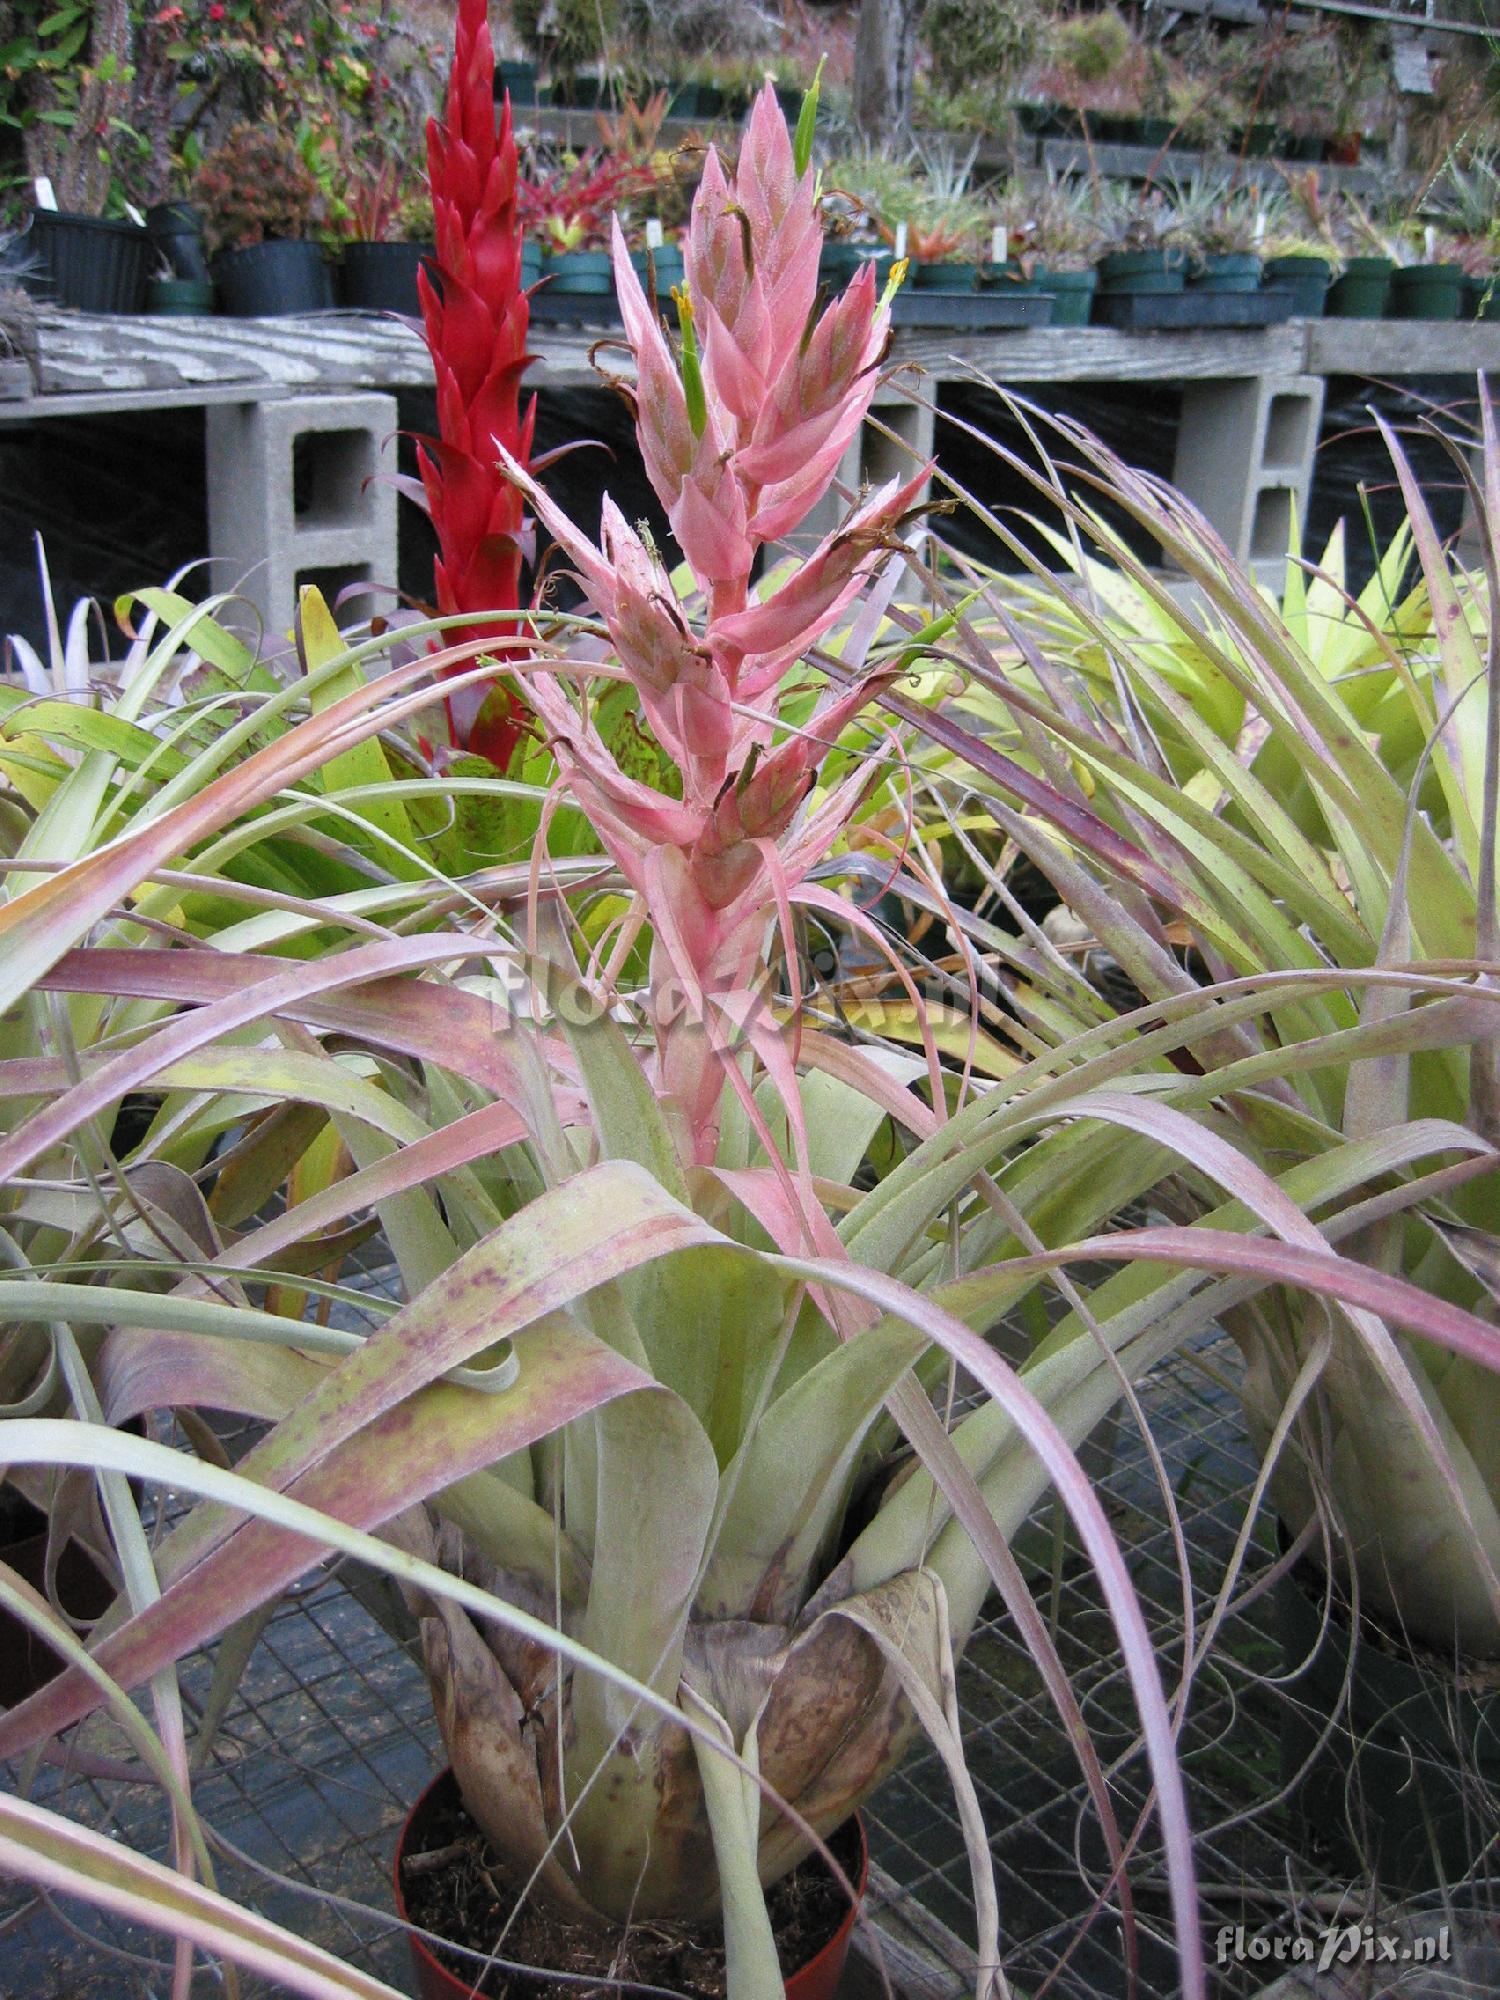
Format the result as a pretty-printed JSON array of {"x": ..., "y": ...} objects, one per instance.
[
  {"x": 1233, "y": 272},
  {"x": 176, "y": 230},
  {"x": 1406, "y": 1782},
  {"x": 579, "y": 274},
  {"x": 1362, "y": 290},
  {"x": 1427, "y": 291},
  {"x": 817, "y": 1977},
  {"x": 1111, "y": 128},
  {"x": 268, "y": 280},
  {"x": 1128, "y": 271},
  {"x": 91, "y": 264},
  {"x": 27, "y": 1662},
  {"x": 382, "y": 277},
  {"x": 1306, "y": 278},
  {"x": 696, "y": 100},
  {"x": 180, "y": 298},
  {"x": 1482, "y": 297},
  {"x": 1072, "y": 294}
]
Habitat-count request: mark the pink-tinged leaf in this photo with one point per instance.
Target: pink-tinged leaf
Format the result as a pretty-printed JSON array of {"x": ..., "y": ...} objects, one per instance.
[
  {"x": 283, "y": 986},
  {"x": 438, "y": 1023},
  {"x": 1089, "y": 833},
  {"x": 421, "y": 1161},
  {"x": 40, "y": 1846},
  {"x": 1035, "y": 1424},
  {"x": 41, "y": 923},
  {"x": 361, "y": 1449},
  {"x": 1295, "y": 1265},
  {"x": 794, "y": 617}
]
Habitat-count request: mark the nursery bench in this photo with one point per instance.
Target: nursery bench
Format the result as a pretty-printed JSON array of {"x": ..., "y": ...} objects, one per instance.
[{"x": 321, "y": 388}]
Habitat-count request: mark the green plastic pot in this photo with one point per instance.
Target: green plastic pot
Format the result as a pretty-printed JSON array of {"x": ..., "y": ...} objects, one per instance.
[
  {"x": 519, "y": 79},
  {"x": 1482, "y": 297},
  {"x": 1143, "y": 271},
  {"x": 697, "y": 100},
  {"x": 1306, "y": 278},
  {"x": 1256, "y": 142},
  {"x": 1427, "y": 291},
  {"x": 1110, "y": 128},
  {"x": 531, "y": 261},
  {"x": 1072, "y": 294},
  {"x": 580, "y": 274},
  {"x": 839, "y": 262},
  {"x": 1237, "y": 271},
  {"x": 667, "y": 263},
  {"x": 179, "y": 298},
  {"x": 1362, "y": 291},
  {"x": 945, "y": 277}
]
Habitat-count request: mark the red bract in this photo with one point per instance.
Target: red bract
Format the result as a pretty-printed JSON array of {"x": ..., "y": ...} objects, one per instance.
[{"x": 476, "y": 318}]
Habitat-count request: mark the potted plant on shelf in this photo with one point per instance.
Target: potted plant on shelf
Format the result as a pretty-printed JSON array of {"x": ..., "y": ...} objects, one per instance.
[
  {"x": 1096, "y": 66},
  {"x": 387, "y": 231},
  {"x": 87, "y": 134},
  {"x": 1428, "y": 279},
  {"x": 1302, "y": 255},
  {"x": 979, "y": 51},
  {"x": 1222, "y": 225},
  {"x": 657, "y": 1347},
  {"x": 180, "y": 283},
  {"x": 1139, "y": 229},
  {"x": 1054, "y": 231},
  {"x": 1300, "y": 80},
  {"x": 1424, "y": 284},
  {"x": 1362, "y": 289},
  {"x": 567, "y": 208},
  {"x": 260, "y": 204},
  {"x": 1468, "y": 192}
]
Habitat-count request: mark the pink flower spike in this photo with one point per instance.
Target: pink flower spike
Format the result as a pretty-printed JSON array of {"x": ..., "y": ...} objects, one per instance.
[{"x": 769, "y": 635}]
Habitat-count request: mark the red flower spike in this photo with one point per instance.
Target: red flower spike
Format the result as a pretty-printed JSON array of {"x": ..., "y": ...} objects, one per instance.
[{"x": 476, "y": 319}]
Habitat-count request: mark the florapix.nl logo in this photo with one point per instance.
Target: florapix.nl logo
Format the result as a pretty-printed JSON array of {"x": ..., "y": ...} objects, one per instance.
[{"x": 1335, "y": 1945}]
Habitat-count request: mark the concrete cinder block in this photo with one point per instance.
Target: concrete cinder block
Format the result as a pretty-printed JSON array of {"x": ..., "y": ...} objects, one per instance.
[
  {"x": 874, "y": 457},
  {"x": 1245, "y": 451},
  {"x": 293, "y": 499}
]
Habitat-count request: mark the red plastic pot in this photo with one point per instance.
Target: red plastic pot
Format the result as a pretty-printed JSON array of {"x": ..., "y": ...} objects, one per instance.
[{"x": 817, "y": 1980}]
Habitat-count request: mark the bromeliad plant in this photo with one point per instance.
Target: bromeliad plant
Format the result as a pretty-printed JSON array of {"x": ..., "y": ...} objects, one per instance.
[
  {"x": 627, "y": 1441},
  {"x": 1303, "y": 797}
]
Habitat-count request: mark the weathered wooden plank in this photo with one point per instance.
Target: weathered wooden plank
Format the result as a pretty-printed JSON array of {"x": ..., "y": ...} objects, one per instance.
[
  {"x": 118, "y": 362},
  {"x": 1100, "y": 354},
  {"x": 1376, "y": 347}
]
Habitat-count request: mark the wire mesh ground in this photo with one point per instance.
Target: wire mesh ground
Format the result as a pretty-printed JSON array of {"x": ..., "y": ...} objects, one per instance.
[{"x": 330, "y": 1738}]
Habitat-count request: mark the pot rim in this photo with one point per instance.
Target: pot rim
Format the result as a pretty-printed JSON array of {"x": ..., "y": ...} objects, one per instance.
[{"x": 796, "y": 1982}]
